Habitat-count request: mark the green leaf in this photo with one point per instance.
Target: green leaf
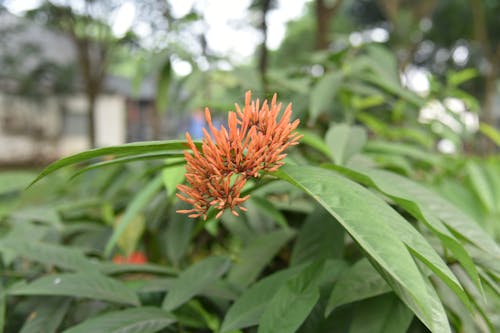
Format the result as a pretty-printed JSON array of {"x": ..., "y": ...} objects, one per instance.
[
  {"x": 396, "y": 148},
  {"x": 427, "y": 205},
  {"x": 269, "y": 209},
  {"x": 2, "y": 307},
  {"x": 345, "y": 141},
  {"x": 323, "y": 94},
  {"x": 112, "y": 268},
  {"x": 248, "y": 308},
  {"x": 136, "y": 320},
  {"x": 178, "y": 235},
  {"x": 56, "y": 255},
  {"x": 138, "y": 203},
  {"x": 481, "y": 185},
  {"x": 256, "y": 255},
  {"x": 383, "y": 314},
  {"x": 314, "y": 141},
  {"x": 395, "y": 89},
  {"x": 84, "y": 284},
  {"x": 353, "y": 206},
  {"x": 14, "y": 180},
  {"x": 491, "y": 132},
  {"x": 164, "y": 77},
  {"x": 47, "y": 316},
  {"x": 127, "y": 159},
  {"x": 122, "y": 150},
  {"x": 358, "y": 282},
  {"x": 457, "y": 78},
  {"x": 383, "y": 62},
  {"x": 194, "y": 280},
  {"x": 293, "y": 302},
  {"x": 172, "y": 176},
  {"x": 418, "y": 200},
  {"x": 321, "y": 237}
]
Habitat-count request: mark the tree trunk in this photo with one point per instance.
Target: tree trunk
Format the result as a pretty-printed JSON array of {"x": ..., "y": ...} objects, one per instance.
[
  {"x": 91, "y": 115},
  {"x": 324, "y": 15},
  {"x": 156, "y": 120},
  {"x": 263, "y": 58},
  {"x": 489, "y": 98},
  {"x": 482, "y": 37}
]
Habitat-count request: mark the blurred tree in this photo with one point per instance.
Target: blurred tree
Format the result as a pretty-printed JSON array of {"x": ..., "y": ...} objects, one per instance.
[
  {"x": 263, "y": 7},
  {"x": 406, "y": 18},
  {"x": 471, "y": 27},
  {"x": 93, "y": 41},
  {"x": 325, "y": 11}
]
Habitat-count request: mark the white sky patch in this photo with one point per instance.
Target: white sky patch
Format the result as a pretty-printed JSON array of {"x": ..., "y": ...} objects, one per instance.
[
  {"x": 455, "y": 105},
  {"x": 460, "y": 55},
  {"x": 123, "y": 19},
  {"x": 228, "y": 29},
  {"x": 379, "y": 35},
  {"x": 446, "y": 146},
  {"x": 416, "y": 80},
  {"x": 19, "y": 6},
  {"x": 278, "y": 18},
  {"x": 181, "y": 67},
  {"x": 452, "y": 112},
  {"x": 181, "y": 8},
  {"x": 356, "y": 39}
]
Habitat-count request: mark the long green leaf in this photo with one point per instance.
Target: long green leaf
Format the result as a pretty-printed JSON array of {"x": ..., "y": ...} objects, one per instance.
[
  {"x": 268, "y": 208},
  {"x": 136, "y": 320},
  {"x": 259, "y": 252},
  {"x": 429, "y": 206},
  {"x": 248, "y": 308},
  {"x": 323, "y": 93},
  {"x": 56, "y": 255},
  {"x": 178, "y": 236},
  {"x": 418, "y": 200},
  {"x": 481, "y": 185},
  {"x": 365, "y": 217},
  {"x": 112, "y": 268},
  {"x": 293, "y": 302},
  {"x": 122, "y": 150},
  {"x": 47, "y": 316},
  {"x": 345, "y": 141},
  {"x": 162, "y": 87},
  {"x": 140, "y": 201},
  {"x": 127, "y": 159},
  {"x": 383, "y": 314},
  {"x": 315, "y": 141},
  {"x": 194, "y": 280},
  {"x": 395, "y": 148},
  {"x": 2, "y": 307},
  {"x": 83, "y": 284},
  {"x": 359, "y": 282},
  {"x": 491, "y": 132},
  {"x": 14, "y": 180},
  {"x": 321, "y": 237}
]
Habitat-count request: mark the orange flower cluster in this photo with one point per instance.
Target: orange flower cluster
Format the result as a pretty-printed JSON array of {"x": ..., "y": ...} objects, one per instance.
[{"x": 254, "y": 141}]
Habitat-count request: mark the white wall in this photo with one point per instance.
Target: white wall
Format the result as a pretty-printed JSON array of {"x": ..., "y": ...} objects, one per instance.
[
  {"x": 111, "y": 121},
  {"x": 22, "y": 146}
]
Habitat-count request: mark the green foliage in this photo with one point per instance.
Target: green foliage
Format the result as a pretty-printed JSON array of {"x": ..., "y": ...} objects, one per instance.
[{"x": 367, "y": 227}]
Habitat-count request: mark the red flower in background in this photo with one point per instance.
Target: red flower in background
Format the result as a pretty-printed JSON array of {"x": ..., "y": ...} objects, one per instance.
[
  {"x": 135, "y": 258},
  {"x": 254, "y": 141}
]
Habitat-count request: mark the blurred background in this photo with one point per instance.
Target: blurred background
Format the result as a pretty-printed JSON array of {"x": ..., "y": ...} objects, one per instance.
[{"x": 76, "y": 74}]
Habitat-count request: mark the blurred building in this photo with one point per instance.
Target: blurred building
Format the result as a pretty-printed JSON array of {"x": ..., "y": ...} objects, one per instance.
[{"x": 43, "y": 111}]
